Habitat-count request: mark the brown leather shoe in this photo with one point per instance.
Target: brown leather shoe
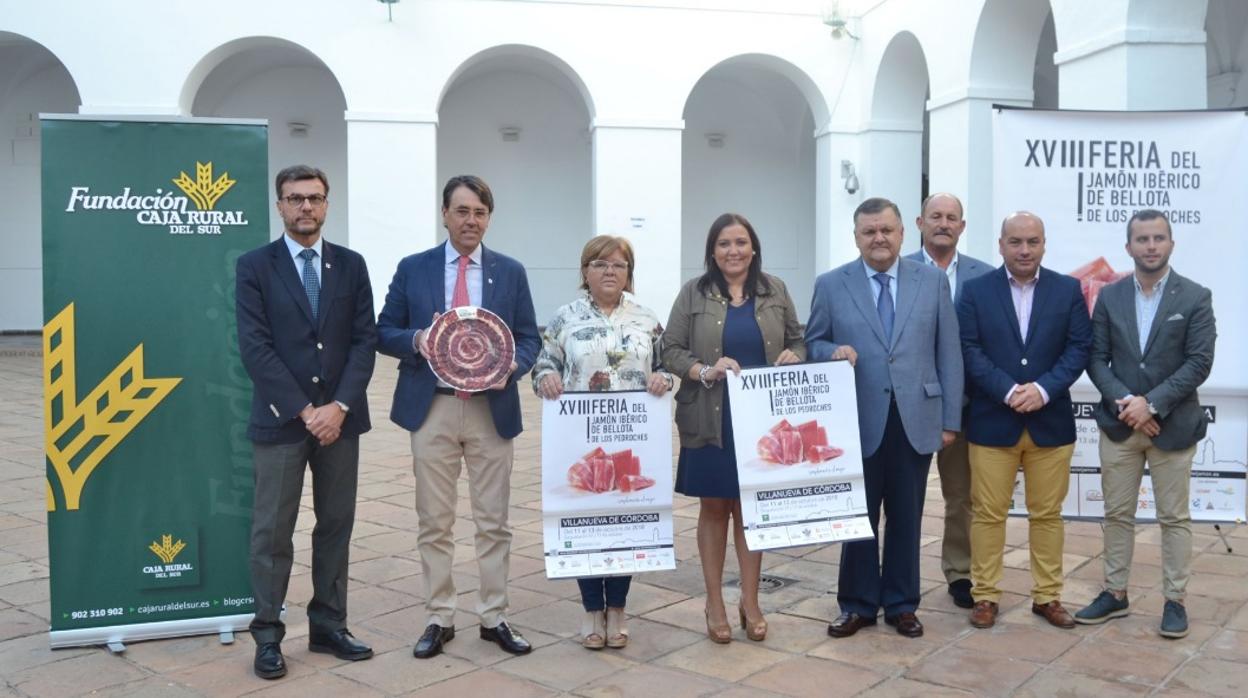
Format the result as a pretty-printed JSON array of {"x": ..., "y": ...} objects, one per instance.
[
  {"x": 847, "y": 624},
  {"x": 984, "y": 614},
  {"x": 1054, "y": 613},
  {"x": 907, "y": 624}
]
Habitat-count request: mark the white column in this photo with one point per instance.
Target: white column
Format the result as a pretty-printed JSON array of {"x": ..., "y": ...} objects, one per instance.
[
  {"x": 392, "y": 167},
  {"x": 636, "y": 186},
  {"x": 1134, "y": 68},
  {"x": 893, "y": 169},
  {"x": 834, "y": 206},
  {"x": 960, "y": 157}
]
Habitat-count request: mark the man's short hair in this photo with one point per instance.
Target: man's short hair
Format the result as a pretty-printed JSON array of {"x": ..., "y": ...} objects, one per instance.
[
  {"x": 873, "y": 206},
  {"x": 475, "y": 184},
  {"x": 298, "y": 173},
  {"x": 1149, "y": 214},
  {"x": 923, "y": 206}
]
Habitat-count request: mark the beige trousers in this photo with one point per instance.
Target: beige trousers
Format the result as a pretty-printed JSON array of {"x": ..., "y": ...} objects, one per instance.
[
  {"x": 462, "y": 431},
  {"x": 954, "y": 464},
  {"x": 1122, "y": 469}
]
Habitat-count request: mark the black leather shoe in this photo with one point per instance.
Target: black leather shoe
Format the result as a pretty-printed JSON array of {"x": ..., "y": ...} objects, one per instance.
[
  {"x": 269, "y": 662},
  {"x": 847, "y": 624},
  {"x": 507, "y": 638},
  {"x": 906, "y": 623},
  {"x": 960, "y": 590},
  {"x": 430, "y": 644},
  {"x": 339, "y": 643}
]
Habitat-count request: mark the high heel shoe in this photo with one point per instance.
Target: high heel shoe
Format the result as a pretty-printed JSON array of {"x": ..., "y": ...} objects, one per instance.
[
  {"x": 756, "y": 631},
  {"x": 593, "y": 633},
  {"x": 720, "y": 634},
  {"x": 617, "y": 629}
]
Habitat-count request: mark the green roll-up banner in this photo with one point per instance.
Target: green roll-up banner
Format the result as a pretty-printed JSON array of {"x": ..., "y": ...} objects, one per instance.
[{"x": 149, "y": 475}]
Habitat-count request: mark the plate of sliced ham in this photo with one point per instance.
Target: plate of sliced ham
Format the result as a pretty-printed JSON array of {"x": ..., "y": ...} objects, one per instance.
[{"x": 471, "y": 347}]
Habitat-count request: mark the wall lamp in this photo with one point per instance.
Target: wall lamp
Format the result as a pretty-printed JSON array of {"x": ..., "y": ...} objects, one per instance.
[
  {"x": 832, "y": 18},
  {"x": 850, "y": 177}
]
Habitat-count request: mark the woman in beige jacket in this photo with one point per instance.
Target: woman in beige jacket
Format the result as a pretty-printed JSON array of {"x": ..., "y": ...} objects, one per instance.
[{"x": 731, "y": 317}]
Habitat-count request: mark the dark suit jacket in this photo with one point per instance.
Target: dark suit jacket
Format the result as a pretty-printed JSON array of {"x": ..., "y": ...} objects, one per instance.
[
  {"x": 294, "y": 360},
  {"x": 1177, "y": 358},
  {"x": 416, "y": 293},
  {"x": 1059, "y": 338},
  {"x": 919, "y": 366},
  {"x": 968, "y": 268}
]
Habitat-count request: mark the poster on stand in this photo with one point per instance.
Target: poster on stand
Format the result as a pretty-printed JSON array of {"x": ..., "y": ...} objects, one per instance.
[
  {"x": 607, "y": 484},
  {"x": 799, "y": 458}
]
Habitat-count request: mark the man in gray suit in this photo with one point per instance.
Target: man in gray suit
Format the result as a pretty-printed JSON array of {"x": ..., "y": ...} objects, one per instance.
[
  {"x": 941, "y": 224},
  {"x": 893, "y": 320},
  {"x": 1152, "y": 346}
]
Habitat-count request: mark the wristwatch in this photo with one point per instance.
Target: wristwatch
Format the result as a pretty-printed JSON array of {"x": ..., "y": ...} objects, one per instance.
[
  {"x": 343, "y": 406},
  {"x": 1152, "y": 409}
]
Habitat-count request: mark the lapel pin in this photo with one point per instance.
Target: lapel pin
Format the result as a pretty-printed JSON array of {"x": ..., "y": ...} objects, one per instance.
[
  {"x": 490, "y": 281},
  {"x": 328, "y": 265}
]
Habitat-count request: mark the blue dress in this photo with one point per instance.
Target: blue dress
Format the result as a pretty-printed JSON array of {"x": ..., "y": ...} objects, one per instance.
[{"x": 711, "y": 471}]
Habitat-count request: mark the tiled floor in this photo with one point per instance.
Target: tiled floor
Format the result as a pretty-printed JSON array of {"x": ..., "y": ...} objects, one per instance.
[{"x": 669, "y": 654}]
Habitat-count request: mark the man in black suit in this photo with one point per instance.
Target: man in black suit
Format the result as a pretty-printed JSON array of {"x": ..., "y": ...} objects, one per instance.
[{"x": 308, "y": 340}]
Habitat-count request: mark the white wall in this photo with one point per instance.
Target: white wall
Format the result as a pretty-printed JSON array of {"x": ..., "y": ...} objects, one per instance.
[
  {"x": 41, "y": 85},
  {"x": 765, "y": 171},
  {"x": 541, "y": 182},
  {"x": 303, "y": 93}
]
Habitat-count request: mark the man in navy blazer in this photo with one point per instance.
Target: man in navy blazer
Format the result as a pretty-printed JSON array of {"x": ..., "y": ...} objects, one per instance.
[
  {"x": 1026, "y": 337},
  {"x": 893, "y": 319},
  {"x": 940, "y": 223},
  {"x": 450, "y": 430},
  {"x": 308, "y": 341}
]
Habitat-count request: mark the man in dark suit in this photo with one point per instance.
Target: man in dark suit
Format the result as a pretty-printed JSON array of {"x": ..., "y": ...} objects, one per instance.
[
  {"x": 893, "y": 319},
  {"x": 308, "y": 341},
  {"x": 941, "y": 224},
  {"x": 1152, "y": 345},
  {"x": 1025, "y": 340},
  {"x": 450, "y": 430}
]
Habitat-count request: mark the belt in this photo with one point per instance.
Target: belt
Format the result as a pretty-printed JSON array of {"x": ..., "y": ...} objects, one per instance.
[{"x": 451, "y": 391}]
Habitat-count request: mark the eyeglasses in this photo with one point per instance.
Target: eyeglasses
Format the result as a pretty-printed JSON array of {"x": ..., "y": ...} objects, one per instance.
[
  {"x": 463, "y": 212},
  {"x": 603, "y": 265},
  {"x": 297, "y": 200}
]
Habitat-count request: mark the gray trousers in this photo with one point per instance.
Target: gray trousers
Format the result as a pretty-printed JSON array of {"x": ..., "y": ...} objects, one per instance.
[{"x": 279, "y": 472}]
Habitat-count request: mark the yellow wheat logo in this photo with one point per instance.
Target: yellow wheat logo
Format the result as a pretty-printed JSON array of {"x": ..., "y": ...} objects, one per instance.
[
  {"x": 166, "y": 549},
  {"x": 203, "y": 190},
  {"x": 78, "y": 435}
]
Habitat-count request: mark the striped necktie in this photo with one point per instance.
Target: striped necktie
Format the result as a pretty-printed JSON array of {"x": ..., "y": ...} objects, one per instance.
[{"x": 311, "y": 283}]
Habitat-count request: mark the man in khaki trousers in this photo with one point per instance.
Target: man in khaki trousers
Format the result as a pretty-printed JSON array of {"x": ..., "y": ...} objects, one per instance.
[
  {"x": 451, "y": 430},
  {"x": 1152, "y": 345}
]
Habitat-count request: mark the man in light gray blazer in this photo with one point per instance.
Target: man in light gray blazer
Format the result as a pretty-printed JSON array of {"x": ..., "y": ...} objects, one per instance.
[
  {"x": 893, "y": 319},
  {"x": 941, "y": 224},
  {"x": 1153, "y": 335}
]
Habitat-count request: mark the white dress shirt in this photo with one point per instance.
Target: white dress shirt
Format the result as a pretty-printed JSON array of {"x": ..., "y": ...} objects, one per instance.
[
  {"x": 875, "y": 287},
  {"x": 951, "y": 271},
  {"x": 295, "y": 248}
]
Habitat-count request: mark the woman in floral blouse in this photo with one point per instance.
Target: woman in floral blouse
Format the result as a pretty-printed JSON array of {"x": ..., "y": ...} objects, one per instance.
[{"x": 602, "y": 341}]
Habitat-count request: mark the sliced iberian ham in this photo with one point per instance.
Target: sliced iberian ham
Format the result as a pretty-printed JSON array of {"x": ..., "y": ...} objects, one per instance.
[
  {"x": 599, "y": 471},
  {"x": 786, "y": 444}
]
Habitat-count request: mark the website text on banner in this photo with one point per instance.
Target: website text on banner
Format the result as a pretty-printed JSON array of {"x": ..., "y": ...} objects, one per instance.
[
  {"x": 607, "y": 484},
  {"x": 799, "y": 459}
]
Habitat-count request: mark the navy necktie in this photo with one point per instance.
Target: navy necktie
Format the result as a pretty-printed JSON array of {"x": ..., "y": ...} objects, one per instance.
[
  {"x": 311, "y": 283},
  {"x": 884, "y": 306}
]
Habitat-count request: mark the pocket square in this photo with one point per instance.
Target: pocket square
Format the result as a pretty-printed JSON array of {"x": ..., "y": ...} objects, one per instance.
[{"x": 1176, "y": 316}]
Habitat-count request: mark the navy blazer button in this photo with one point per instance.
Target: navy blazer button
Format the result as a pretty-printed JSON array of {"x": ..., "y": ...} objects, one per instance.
[
  {"x": 319, "y": 345},
  {"x": 1141, "y": 364},
  {"x": 315, "y": 379},
  {"x": 1024, "y": 361}
]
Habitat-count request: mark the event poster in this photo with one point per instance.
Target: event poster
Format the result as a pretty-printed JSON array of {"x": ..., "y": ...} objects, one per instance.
[
  {"x": 1217, "y": 492},
  {"x": 149, "y": 472},
  {"x": 799, "y": 458},
  {"x": 1086, "y": 173},
  {"x": 607, "y": 484}
]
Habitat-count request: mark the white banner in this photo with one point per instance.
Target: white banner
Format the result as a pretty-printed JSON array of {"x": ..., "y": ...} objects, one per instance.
[
  {"x": 799, "y": 458},
  {"x": 607, "y": 484},
  {"x": 1085, "y": 174}
]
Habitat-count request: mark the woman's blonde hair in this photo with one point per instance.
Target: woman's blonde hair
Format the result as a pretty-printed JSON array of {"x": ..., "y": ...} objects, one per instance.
[{"x": 601, "y": 246}]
